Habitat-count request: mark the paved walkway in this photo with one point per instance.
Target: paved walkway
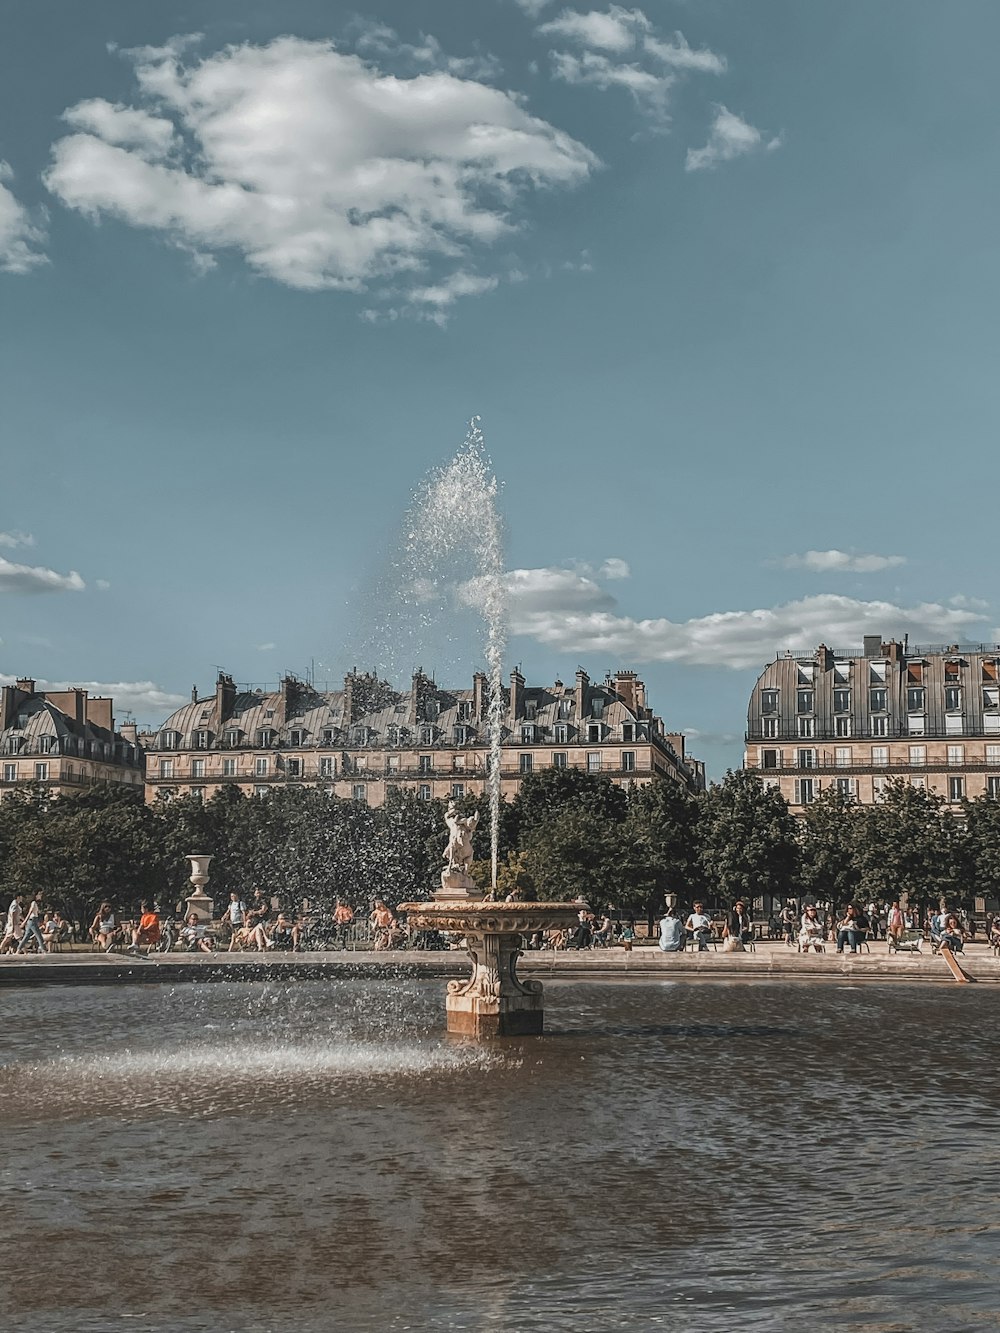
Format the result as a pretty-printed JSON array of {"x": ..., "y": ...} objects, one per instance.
[{"x": 771, "y": 960}]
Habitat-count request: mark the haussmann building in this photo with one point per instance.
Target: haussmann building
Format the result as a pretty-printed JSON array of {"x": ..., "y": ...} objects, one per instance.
[{"x": 854, "y": 719}]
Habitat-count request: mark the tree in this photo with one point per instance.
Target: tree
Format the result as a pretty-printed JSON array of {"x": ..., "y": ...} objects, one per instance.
[
  {"x": 910, "y": 844},
  {"x": 749, "y": 843},
  {"x": 661, "y": 835},
  {"x": 982, "y": 847},
  {"x": 830, "y": 831},
  {"x": 576, "y": 854}
]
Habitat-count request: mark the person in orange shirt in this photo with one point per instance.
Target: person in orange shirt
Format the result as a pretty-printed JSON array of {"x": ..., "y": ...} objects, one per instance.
[{"x": 147, "y": 933}]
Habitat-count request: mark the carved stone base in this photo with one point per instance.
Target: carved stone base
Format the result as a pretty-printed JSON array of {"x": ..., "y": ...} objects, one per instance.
[
  {"x": 494, "y": 1002},
  {"x": 470, "y": 1016},
  {"x": 455, "y": 883}
]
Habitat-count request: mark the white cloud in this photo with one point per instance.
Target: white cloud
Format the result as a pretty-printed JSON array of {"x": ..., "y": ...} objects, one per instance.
[
  {"x": 614, "y": 568},
  {"x": 20, "y": 236},
  {"x": 314, "y": 165},
  {"x": 842, "y": 562},
  {"x": 616, "y": 30},
  {"x": 729, "y": 137},
  {"x": 620, "y": 49},
  {"x": 266, "y": 647},
  {"x": 142, "y": 697},
  {"x": 14, "y": 539},
  {"x": 377, "y": 39},
  {"x": 458, "y": 284},
  {"x": 571, "y": 613},
  {"x": 102, "y": 585},
  {"x": 37, "y": 579},
  {"x": 972, "y": 603}
]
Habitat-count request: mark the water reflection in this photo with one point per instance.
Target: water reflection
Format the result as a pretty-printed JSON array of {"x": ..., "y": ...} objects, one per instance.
[{"x": 693, "y": 1158}]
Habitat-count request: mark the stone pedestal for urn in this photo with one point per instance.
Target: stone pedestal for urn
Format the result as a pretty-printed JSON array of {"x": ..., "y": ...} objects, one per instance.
[
  {"x": 199, "y": 902},
  {"x": 493, "y": 1001}
]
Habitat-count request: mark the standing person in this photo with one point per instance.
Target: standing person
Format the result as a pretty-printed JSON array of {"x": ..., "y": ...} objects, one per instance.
[
  {"x": 789, "y": 919},
  {"x": 32, "y": 929},
  {"x": 671, "y": 932},
  {"x": 259, "y": 910},
  {"x": 236, "y": 914},
  {"x": 583, "y": 936},
  {"x": 895, "y": 923},
  {"x": 626, "y": 934},
  {"x": 343, "y": 920},
  {"x": 14, "y": 929},
  {"x": 699, "y": 926}
]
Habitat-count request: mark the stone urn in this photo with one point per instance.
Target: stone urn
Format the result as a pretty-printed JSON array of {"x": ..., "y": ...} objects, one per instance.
[
  {"x": 493, "y": 1001},
  {"x": 199, "y": 902}
]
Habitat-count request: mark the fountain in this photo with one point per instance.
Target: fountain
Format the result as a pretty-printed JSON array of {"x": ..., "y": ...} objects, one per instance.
[{"x": 458, "y": 508}]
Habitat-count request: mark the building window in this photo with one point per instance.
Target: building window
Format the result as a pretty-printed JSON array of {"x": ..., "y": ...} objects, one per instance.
[
  {"x": 45, "y": 745},
  {"x": 915, "y": 699},
  {"x": 392, "y": 763},
  {"x": 326, "y": 768},
  {"x": 803, "y": 701},
  {"x": 842, "y": 701},
  {"x": 10, "y": 772},
  {"x": 956, "y": 755},
  {"x": 806, "y": 758},
  {"x": 197, "y": 768},
  {"x": 954, "y": 724},
  {"x": 991, "y": 697},
  {"x": 168, "y": 740},
  {"x": 198, "y": 793},
  {"x": 842, "y": 726},
  {"x": 880, "y": 726},
  {"x": 594, "y": 761},
  {"x": 296, "y": 737},
  {"x": 842, "y": 756},
  {"x": 878, "y": 700},
  {"x": 805, "y": 672},
  {"x": 628, "y": 761},
  {"x": 166, "y": 768},
  {"x": 769, "y": 758},
  {"x": 461, "y": 735},
  {"x": 804, "y": 791},
  {"x": 358, "y": 791},
  {"x": 878, "y": 788},
  {"x": 260, "y": 767},
  {"x": 328, "y": 734},
  {"x": 232, "y": 739},
  {"x": 918, "y": 754},
  {"x": 268, "y": 736},
  {"x": 807, "y": 726},
  {"x": 594, "y": 732},
  {"x": 41, "y": 772},
  {"x": 769, "y": 701},
  {"x": 525, "y": 762},
  {"x": 993, "y": 756},
  {"x": 561, "y": 733},
  {"x": 201, "y": 740},
  {"x": 457, "y": 790},
  {"x": 628, "y": 731},
  {"x": 915, "y": 724},
  {"x": 993, "y": 788},
  {"x": 559, "y": 759},
  {"x": 769, "y": 728},
  {"x": 565, "y": 708},
  {"x": 956, "y": 789},
  {"x": 919, "y": 783},
  {"x": 424, "y": 792},
  {"x": 229, "y": 768},
  {"x": 528, "y": 735},
  {"x": 845, "y": 788},
  {"x": 426, "y": 735},
  {"x": 877, "y": 671},
  {"x": 880, "y": 756},
  {"x": 293, "y": 767},
  {"x": 424, "y": 764},
  {"x": 952, "y": 698}
]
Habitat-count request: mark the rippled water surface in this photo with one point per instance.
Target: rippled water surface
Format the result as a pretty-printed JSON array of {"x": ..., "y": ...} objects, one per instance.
[{"x": 319, "y": 1156}]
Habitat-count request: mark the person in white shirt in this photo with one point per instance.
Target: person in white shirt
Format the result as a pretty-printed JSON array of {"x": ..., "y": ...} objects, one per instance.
[
  {"x": 700, "y": 926},
  {"x": 671, "y": 933},
  {"x": 811, "y": 931},
  {"x": 13, "y": 932}
]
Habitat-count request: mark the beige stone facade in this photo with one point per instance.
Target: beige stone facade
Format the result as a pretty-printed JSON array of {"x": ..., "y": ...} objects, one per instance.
[
  {"x": 361, "y": 741},
  {"x": 63, "y": 740},
  {"x": 855, "y": 719}
]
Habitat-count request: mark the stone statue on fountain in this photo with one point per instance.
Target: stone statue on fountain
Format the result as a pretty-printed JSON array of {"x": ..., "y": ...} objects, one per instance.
[{"x": 456, "y": 882}]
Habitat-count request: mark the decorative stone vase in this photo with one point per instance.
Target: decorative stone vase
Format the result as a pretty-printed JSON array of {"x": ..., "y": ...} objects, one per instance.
[
  {"x": 494, "y": 1001},
  {"x": 199, "y": 902}
]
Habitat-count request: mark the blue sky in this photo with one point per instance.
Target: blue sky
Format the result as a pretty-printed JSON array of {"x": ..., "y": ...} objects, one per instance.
[{"x": 720, "y": 278}]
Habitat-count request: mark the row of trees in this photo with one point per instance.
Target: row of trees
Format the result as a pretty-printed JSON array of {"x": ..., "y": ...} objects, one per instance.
[{"x": 566, "y": 833}]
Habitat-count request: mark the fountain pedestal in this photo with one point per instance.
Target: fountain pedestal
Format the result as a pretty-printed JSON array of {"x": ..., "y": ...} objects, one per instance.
[{"x": 493, "y": 1001}]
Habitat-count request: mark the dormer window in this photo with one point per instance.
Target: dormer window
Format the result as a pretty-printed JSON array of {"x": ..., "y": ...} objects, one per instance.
[
  {"x": 565, "y": 708},
  {"x": 328, "y": 735},
  {"x": 296, "y": 737},
  {"x": 561, "y": 733},
  {"x": 528, "y": 734},
  {"x": 465, "y": 710},
  {"x": 233, "y": 739},
  {"x": 594, "y": 731},
  {"x": 45, "y": 745},
  {"x": 22, "y": 721},
  {"x": 201, "y": 740},
  {"x": 268, "y": 714},
  {"x": 530, "y": 709},
  {"x": 628, "y": 731},
  {"x": 268, "y": 736},
  {"x": 168, "y": 740},
  {"x": 597, "y": 705},
  {"x": 431, "y": 710},
  {"x": 392, "y": 734},
  {"x": 461, "y": 735},
  {"x": 426, "y": 735}
]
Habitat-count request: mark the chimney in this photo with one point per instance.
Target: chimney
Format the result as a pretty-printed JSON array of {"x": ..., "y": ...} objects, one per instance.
[
  {"x": 582, "y": 689},
  {"x": 873, "y": 645},
  {"x": 480, "y": 695},
  {"x": 194, "y": 694},
  {"x": 347, "y": 717},
  {"x": 130, "y": 733},
  {"x": 824, "y": 658},
  {"x": 286, "y": 687},
  {"x": 892, "y": 651},
  {"x": 99, "y": 713},
  {"x": 625, "y": 683},
  {"x": 516, "y": 696},
  {"x": 225, "y": 698},
  {"x": 421, "y": 688},
  {"x": 25, "y": 684}
]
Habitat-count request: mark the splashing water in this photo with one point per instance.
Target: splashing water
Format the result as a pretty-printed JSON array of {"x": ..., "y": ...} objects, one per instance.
[{"x": 455, "y": 516}]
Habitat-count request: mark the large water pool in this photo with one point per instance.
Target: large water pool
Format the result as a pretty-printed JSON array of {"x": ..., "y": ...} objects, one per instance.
[{"x": 319, "y": 1156}]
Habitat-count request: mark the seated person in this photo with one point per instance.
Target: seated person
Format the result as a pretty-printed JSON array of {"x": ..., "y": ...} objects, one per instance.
[
  {"x": 852, "y": 929},
  {"x": 104, "y": 927},
  {"x": 194, "y": 934},
  {"x": 671, "y": 933},
  {"x": 699, "y": 926},
  {"x": 602, "y": 935},
  {"x": 343, "y": 920},
  {"x": 285, "y": 933},
  {"x": 382, "y": 920},
  {"x": 147, "y": 932},
  {"x": 811, "y": 931},
  {"x": 952, "y": 935}
]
